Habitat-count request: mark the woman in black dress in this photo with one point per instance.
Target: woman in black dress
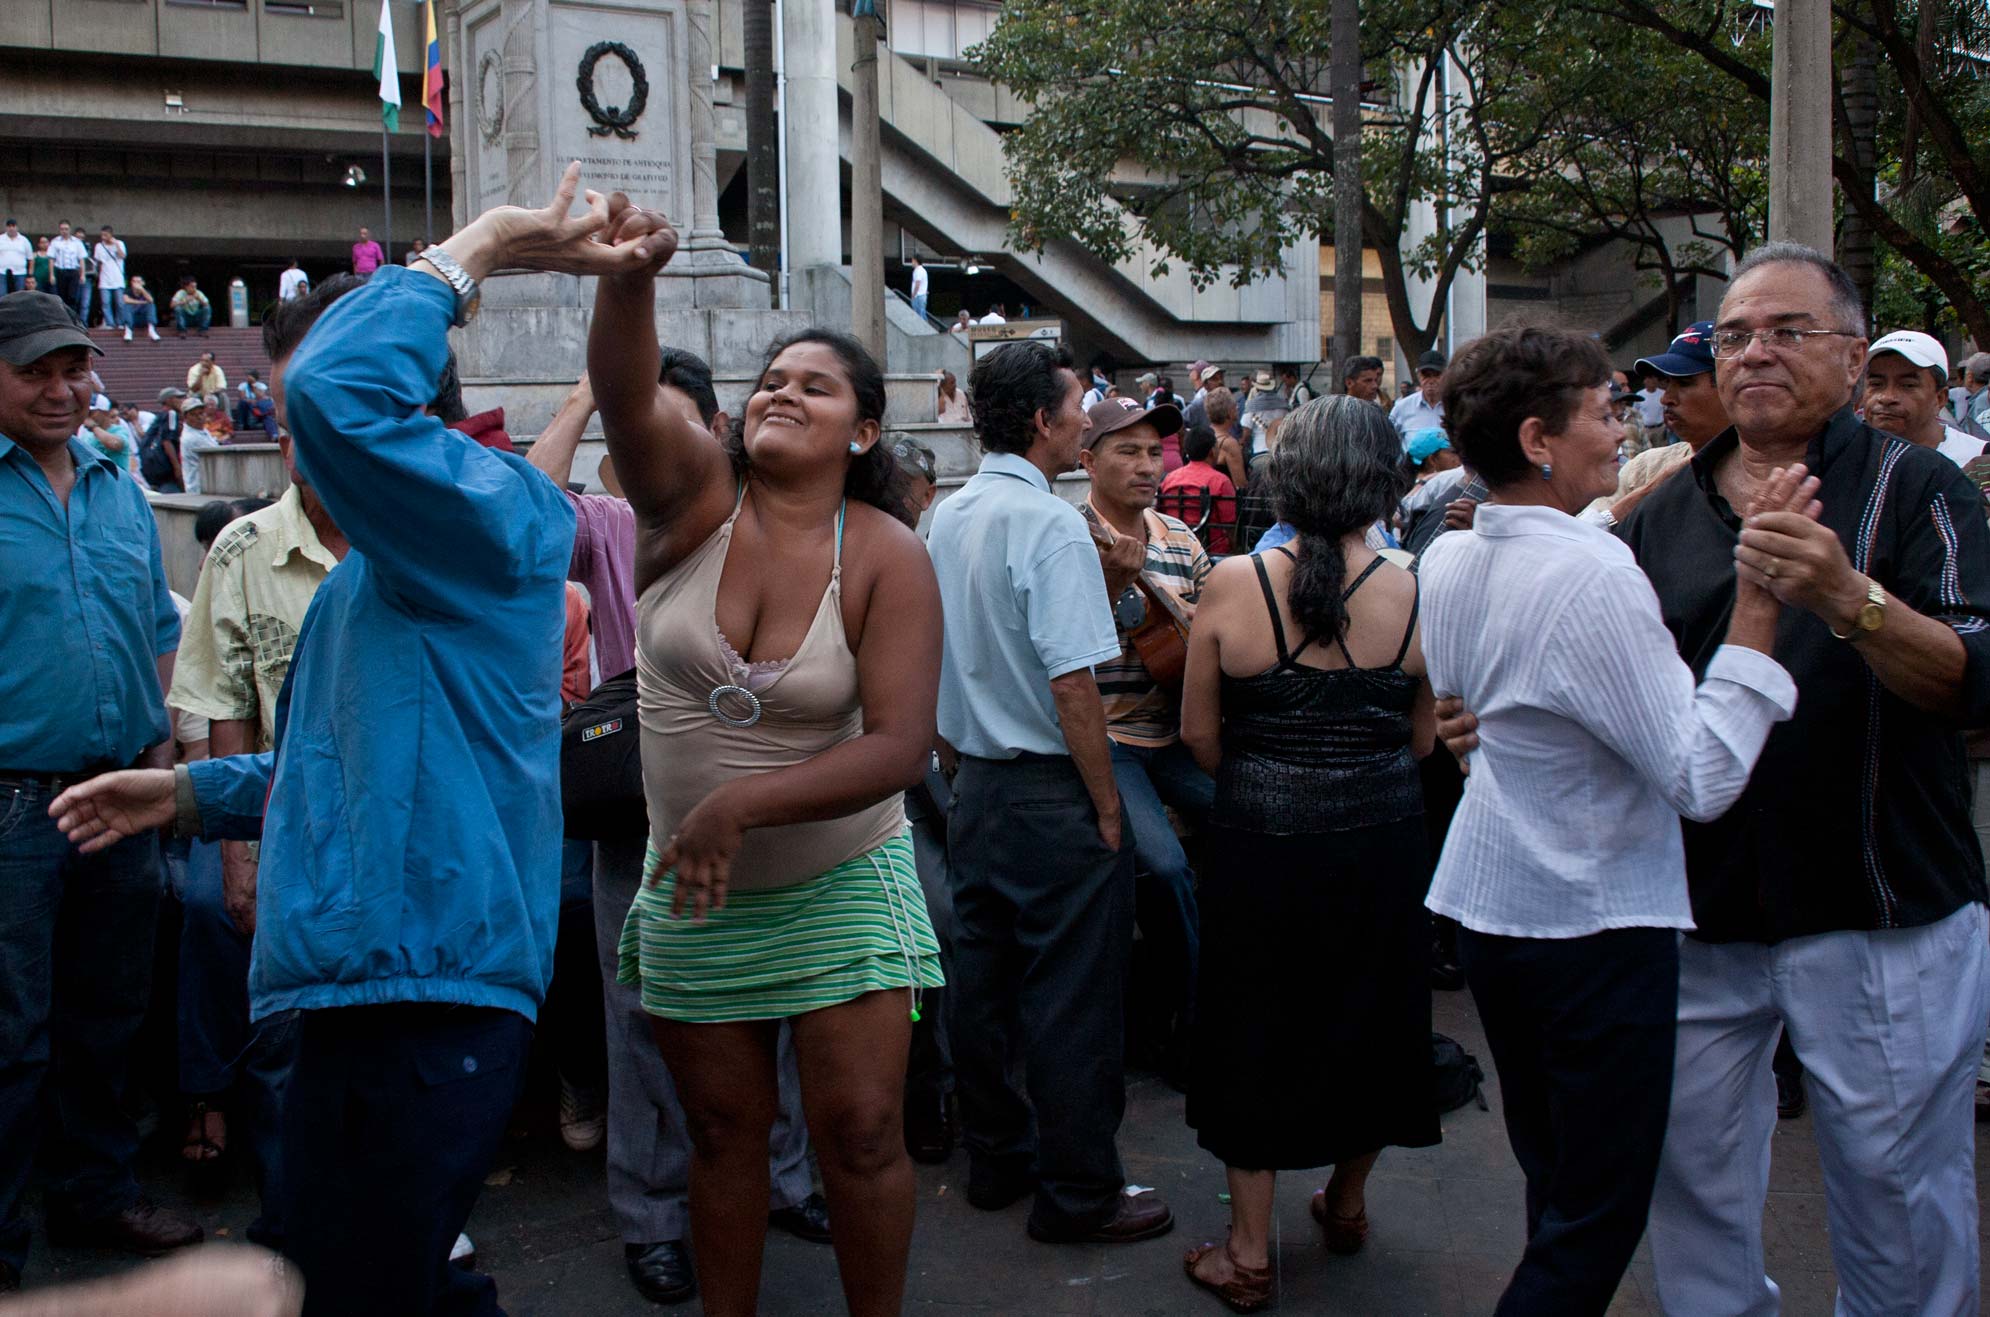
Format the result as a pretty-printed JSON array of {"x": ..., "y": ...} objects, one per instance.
[{"x": 1306, "y": 698}]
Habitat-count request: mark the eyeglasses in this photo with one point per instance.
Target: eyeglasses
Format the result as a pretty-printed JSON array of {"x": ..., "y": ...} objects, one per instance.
[{"x": 1731, "y": 343}]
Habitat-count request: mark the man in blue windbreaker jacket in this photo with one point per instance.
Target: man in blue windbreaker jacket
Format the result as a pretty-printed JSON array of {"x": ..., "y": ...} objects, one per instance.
[{"x": 409, "y": 812}]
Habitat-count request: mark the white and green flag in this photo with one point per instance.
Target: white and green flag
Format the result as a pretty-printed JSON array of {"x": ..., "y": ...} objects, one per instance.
[{"x": 385, "y": 70}]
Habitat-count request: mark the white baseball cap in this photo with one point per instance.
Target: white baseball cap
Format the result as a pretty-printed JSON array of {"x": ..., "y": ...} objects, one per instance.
[{"x": 1917, "y": 347}]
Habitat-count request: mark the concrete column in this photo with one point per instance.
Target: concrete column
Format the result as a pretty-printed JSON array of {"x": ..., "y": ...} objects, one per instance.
[
  {"x": 1800, "y": 125},
  {"x": 815, "y": 190},
  {"x": 461, "y": 137},
  {"x": 866, "y": 192},
  {"x": 705, "y": 231},
  {"x": 522, "y": 22}
]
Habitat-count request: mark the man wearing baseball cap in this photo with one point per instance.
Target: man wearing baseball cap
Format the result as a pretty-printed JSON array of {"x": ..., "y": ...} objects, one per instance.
[
  {"x": 1907, "y": 375},
  {"x": 1123, "y": 455},
  {"x": 1424, "y": 409},
  {"x": 1693, "y": 412},
  {"x": 90, "y": 634}
]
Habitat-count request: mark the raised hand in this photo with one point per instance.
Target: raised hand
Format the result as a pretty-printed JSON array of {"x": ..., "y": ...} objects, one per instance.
[
  {"x": 552, "y": 239},
  {"x": 108, "y": 808}
]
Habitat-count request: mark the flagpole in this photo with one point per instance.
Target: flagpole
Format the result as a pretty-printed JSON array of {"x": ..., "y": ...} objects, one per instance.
[
  {"x": 427, "y": 185},
  {"x": 387, "y": 193}
]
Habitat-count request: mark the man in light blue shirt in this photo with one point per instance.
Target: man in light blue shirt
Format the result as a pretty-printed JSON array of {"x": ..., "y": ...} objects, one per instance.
[
  {"x": 1042, "y": 870},
  {"x": 1424, "y": 409},
  {"x": 89, "y": 631}
]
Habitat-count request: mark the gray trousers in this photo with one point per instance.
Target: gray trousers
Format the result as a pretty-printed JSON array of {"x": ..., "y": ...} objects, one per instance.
[{"x": 649, "y": 1151}]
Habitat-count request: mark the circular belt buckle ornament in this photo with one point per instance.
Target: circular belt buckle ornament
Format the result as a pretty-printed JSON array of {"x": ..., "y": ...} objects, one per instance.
[{"x": 726, "y": 701}]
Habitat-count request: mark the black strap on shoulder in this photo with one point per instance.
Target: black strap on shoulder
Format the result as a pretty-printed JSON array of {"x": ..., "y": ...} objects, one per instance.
[
  {"x": 1366, "y": 572},
  {"x": 1416, "y": 601},
  {"x": 1271, "y": 604}
]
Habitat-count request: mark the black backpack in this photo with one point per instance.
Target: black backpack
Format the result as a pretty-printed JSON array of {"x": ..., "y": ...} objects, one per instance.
[
  {"x": 154, "y": 462},
  {"x": 1456, "y": 1073},
  {"x": 601, "y": 765}
]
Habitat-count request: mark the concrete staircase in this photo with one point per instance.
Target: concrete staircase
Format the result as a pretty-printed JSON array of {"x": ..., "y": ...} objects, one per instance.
[{"x": 136, "y": 371}]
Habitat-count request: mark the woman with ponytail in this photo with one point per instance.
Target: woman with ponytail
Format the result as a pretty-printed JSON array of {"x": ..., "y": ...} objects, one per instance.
[{"x": 1305, "y": 697}]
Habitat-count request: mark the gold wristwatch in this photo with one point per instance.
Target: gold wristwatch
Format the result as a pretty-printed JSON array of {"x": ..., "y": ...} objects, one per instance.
[{"x": 1871, "y": 615}]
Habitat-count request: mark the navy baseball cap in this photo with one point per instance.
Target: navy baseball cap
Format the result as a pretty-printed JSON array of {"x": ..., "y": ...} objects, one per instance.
[{"x": 1692, "y": 353}]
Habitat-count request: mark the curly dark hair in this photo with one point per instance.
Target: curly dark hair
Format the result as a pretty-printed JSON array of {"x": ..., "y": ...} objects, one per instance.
[
  {"x": 875, "y": 476},
  {"x": 1007, "y": 389},
  {"x": 1501, "y": 379},
  {"x": 1338, "y": 469}
]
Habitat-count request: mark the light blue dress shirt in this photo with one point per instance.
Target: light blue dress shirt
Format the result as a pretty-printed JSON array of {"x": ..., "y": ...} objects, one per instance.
[
  {"x": 85, "y": 613},
  {"x": 411, "y": 845},
  {"x": 1025, "y": 602},
  {"x": 1412, "y": 414}
]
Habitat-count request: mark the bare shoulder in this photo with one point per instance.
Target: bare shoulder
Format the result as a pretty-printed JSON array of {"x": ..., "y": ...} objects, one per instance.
[{"x": 879, "y": 540}]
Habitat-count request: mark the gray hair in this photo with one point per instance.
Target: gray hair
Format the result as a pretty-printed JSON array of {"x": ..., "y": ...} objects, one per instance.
[
  {"x": 1846, "y": 305},
  {"x": 1978, "y": 367}
]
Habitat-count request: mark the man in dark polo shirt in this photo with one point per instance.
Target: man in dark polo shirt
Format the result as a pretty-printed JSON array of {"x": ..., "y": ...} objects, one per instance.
[
  {"x": 90, "y": 632},
  {"x": 1842, "y": 898}
]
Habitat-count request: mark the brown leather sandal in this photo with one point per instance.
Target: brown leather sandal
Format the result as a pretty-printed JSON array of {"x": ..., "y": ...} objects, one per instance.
[
  {"x": 1248, "y": 1290},
  {"x": 1344, "y": 1234}
]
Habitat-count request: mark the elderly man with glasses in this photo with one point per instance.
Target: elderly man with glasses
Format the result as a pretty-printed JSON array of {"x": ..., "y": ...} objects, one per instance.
[{"x": 1841, "y": 899}]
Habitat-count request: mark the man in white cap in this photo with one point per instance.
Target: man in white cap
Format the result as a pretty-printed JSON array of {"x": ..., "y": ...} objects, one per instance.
[{"x": 1907, "y": 375}]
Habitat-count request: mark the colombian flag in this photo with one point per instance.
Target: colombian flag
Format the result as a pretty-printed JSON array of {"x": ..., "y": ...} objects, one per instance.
[{"x": 431, "y": 87}]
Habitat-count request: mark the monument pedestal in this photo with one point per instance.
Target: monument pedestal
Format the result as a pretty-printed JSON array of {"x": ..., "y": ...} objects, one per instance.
[{"x": 623, "y": 86}]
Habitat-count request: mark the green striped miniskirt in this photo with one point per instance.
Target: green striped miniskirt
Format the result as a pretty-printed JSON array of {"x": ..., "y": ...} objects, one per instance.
[{"x": 861, "y": 927}]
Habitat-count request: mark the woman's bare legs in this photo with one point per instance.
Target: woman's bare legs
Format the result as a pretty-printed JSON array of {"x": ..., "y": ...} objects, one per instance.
[
  {"x": 853, "y": 1091},
  {"x": 730, "y": 1088},
  {"x": 1251, "y": 1195}
]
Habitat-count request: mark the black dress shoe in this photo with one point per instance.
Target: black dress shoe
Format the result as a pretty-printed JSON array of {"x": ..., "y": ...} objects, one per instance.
[
  {"x": 808, "y": 1219},
  {"x": 1135, "y": 1219},
  {"x": 1790, "y": 1099},
  {"x": 992, "y": 1190},
  {"x": 929, "y": 1128},
  {"x": 144, "y": 1228},
  {"x": 661, "y": 1272}
]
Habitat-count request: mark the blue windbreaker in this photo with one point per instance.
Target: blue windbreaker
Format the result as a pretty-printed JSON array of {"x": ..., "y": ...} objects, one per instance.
[{"x": 411, "y": 841}]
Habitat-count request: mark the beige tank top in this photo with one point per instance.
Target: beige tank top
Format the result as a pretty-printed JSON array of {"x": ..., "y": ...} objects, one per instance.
[{"x": 708, "y": 717}]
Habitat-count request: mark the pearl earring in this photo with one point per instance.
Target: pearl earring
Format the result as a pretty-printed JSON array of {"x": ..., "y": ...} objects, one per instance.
[
  {"x": 1547, "y": 471},
  {"x": 856, "y": 447}
]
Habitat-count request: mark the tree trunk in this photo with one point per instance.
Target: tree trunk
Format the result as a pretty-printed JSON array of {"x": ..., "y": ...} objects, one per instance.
[
  {"x": 763, "y": 167},
  {"x": 1859, "y": 88},
  {"x": 1346, "y": 84}
]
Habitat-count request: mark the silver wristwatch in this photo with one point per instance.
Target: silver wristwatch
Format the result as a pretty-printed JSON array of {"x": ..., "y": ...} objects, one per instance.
[{"x": 458, "y": 278}]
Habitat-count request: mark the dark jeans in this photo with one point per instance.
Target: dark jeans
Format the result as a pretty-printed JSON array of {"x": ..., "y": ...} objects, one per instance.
[
  {"x": 11, "y": 282},
  {"x": 574, "y": 1029},
  {"x": 1152, "y": 780},
  {"x": 76, "y": 940},
  {"x": 69, "y": 287},
  {"x": 1045, "y": 922},
  {"x": 221, "y": 1053},
  {"x": 1581, "y": 1031},
  {"x": 197, "y": 318},
  {"x": 393, "y": 1118}
]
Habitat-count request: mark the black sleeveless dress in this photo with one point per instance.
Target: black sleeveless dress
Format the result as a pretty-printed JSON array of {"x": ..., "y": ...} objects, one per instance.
[{"x": 1312, "y": 1042}]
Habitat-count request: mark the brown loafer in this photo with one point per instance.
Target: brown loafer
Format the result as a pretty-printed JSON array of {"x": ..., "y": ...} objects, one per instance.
[
  {"x": 144, "y": 1228},
  {"x": 1247, "y": 1290},
  {"x": 1344, "y": 1234},
  {"x": 1135, "y": 1219}
]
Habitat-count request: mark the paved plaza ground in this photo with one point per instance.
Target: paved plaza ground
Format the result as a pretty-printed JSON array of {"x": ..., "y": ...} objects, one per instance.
[{"x": 1447, "y": 1230}]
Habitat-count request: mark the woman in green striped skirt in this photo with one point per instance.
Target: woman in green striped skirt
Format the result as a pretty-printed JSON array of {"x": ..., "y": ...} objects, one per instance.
[{"x": 787, "y": 657}]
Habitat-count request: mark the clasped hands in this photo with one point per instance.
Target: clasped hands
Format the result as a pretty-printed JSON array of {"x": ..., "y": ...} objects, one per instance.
[
  {"x": 612, "y": 237},
  {"x": 1785, "y": 552}
]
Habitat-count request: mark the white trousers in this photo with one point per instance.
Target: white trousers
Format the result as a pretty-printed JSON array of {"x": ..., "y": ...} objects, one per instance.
[{"x": 1889, "y": 1027}]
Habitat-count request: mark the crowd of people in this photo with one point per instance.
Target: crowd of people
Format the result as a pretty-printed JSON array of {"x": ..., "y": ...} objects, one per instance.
[{"x": 789, "y": 832}]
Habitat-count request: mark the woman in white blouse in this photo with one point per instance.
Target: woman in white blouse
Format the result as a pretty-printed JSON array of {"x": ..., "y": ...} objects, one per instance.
[{"x": 1564, "y": 863}]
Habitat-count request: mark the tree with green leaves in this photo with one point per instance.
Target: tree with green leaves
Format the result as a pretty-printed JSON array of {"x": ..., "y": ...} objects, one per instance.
[
  {"x": 1660, "y": 156},
  {"x": 1218, "y": 114}
]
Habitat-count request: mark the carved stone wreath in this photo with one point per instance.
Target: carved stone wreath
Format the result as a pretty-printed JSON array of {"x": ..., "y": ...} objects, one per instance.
[
  {"x": 614, "y": 119},
  {"x": 490, "y": 97}
]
